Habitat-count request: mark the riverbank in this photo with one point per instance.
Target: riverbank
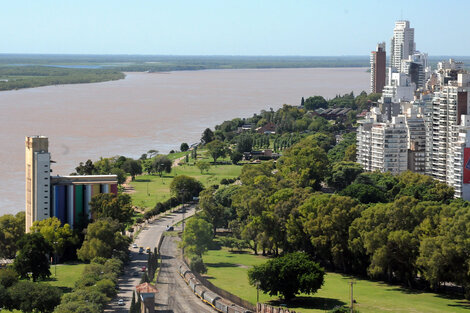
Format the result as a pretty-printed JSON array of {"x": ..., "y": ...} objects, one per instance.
[{"x": 146, "y": 111}]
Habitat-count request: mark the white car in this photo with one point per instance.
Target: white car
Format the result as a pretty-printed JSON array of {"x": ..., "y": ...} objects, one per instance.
[
  {"x": 120, "y": 302},
  {"x": 134, "y": 245}
]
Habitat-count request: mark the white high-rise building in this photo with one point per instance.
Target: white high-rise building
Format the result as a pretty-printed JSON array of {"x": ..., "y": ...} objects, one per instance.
[
  {"x": 400, "y": 88},
  {"x": 383, "y": 146},
  {"x": 402, "y": 44}
]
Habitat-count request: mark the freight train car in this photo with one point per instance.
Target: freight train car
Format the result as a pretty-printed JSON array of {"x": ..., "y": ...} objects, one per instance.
[{"x": 210, "y": 297}]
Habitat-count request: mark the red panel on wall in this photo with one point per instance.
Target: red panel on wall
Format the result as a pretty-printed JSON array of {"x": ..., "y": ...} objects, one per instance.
[
  {"x": 114, "y": 189},
  {"x": 466, "y": 166}
]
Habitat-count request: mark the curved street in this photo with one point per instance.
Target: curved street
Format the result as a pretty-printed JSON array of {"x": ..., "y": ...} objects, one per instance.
[
  {"x": 148, "y": 237},
  {"x": 174, "y": 295}
]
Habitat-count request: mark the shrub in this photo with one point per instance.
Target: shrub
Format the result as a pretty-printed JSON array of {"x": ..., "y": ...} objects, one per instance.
[{"x": 197, "y": 265}]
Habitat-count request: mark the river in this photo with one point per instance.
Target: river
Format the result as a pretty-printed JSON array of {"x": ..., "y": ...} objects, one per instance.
[{"x": 145, "y": 111}]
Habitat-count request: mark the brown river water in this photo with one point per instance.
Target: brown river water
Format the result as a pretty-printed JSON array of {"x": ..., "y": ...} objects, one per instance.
[{"x": 145, "y": 111}]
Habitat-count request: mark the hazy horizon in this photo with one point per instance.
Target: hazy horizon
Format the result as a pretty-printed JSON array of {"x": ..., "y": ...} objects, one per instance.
[{"x": 239, "y": 28}]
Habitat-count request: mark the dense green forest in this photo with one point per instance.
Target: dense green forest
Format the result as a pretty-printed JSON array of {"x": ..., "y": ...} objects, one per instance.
[
  {"x": 405, "y": 229},
  {"x": 34, "y": 70},
  {"x": 17, "y": 77}
]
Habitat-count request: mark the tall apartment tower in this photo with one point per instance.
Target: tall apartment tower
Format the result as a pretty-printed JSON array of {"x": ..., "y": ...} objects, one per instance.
[
  {"x": 38, "y": 179},
  {"x": 449, "y": 104},
  {"x": 382, "y": 146},
  {"x": 378, "y": 62},
  {"x": 402, "y": 44}
]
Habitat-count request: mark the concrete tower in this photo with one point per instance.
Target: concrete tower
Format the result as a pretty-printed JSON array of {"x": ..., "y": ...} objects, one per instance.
[
  {"x": 402, "y": 43},
  {"x": 38, "y": 181},
  {"x": 377, "y": 68}
]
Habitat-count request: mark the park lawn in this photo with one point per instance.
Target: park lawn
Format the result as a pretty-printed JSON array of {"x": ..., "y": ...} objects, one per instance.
[
  {"x": 229, "y": 271},
  {"x": 159, "y": 187},
  {"x": 67, "y": 275}
]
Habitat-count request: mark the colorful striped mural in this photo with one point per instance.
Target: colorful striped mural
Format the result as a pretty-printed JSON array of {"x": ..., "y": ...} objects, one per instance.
[{"x": 70, "y": 202}]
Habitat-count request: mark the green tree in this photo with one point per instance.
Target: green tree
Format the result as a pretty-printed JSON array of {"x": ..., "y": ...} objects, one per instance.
[
  {"x": 235, "y": 157},
  {"x": 203, "y": 166},
  {"x": 386, "y": 233},
  {"x": 8, "y": 277},
  {"x": 343, "y": 174},
  {"x": 87, "y": 295},
  {"x": 326, "y": 220},
  {"x": 102, "y": 239},
  {"x": 350, "y": 153},
  {"x": 315, "y": 102},
  {"x": 216, "y": 149},
  {"x": 184, "y": 147},
  {"x": 56, "y": 235},
  {"x": 288, "y": 276},
  {"x": 12, "y": 228},
  {"x": 31, "y": 260},
  {"x": 305, "y": 163},
  {"x": 364, "y": 193},
  {"x": 186, "y": 187},
  {"x": 132, "y": 167},
  {"x": 196, "y": 264},
  {"x": 197, "y": 236},
  {"x": 162, "y": 164},
  {"x": 121, "y": 175},
  {"x": 32, "y": 297},
  {"x": 244, "y": 143},
  {"x": 151, "y": 153},
  {"x": 207, "y": 136},
  {"x": 117, "y": 207},
  {"x": 214, "y": 212},
  {"x": 85, "y": 169},
  {"x": 78, "y": 307}
]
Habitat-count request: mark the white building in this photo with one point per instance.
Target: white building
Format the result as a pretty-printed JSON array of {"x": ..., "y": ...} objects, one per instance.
[
  {"x": 400, "y": 88},
  {"x": 383, "y": 146},
  {"x": 402, "y": 43},
  {"x": 448, "y": 105}
]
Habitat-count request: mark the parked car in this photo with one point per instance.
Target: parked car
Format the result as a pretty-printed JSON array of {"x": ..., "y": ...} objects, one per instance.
[
  {"x": 141, "y": 250},
  {"x": 170, "y": 228},
  {"x": 147, "y": 249},
  {"x": 120, "y": 302},
  {"x": 134, "y": 245}
]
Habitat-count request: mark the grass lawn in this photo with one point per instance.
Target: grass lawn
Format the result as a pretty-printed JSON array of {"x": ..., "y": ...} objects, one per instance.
[
  {"x": 159, "y": 187},
  {"x": 229, "y": 271},
  {"x": 67, "y": 275}
]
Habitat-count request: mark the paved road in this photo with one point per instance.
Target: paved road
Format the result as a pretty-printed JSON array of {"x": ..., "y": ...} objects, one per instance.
[
  {"x": 175, "y": 296},
  {"x": 148, "y": 237}
]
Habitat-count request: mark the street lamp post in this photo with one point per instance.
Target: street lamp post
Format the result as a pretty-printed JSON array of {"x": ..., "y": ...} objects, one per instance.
[{"x": 55, "y": 258}]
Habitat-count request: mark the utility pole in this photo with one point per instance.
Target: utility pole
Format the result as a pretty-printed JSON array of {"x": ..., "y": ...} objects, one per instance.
[{"x": 351, "y": 284}]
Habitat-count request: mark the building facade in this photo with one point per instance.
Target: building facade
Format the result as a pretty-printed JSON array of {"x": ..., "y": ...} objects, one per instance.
[
  {"x": 402, "y": 44},
  {"x": 65, "y": 197},
  {"x": 38, "y": 185},
  {"x": 378, "y": 60}
]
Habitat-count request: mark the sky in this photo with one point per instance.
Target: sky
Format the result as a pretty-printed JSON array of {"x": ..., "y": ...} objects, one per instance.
[{"x": 225, "y": 27}]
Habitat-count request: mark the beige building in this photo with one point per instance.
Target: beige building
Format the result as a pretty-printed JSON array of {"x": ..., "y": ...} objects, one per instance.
[{"x": 38, "y": 181}]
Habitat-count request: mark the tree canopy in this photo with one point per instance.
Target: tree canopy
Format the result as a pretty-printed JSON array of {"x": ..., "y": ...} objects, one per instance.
[
  {"x": 31, "y": 260},
  {"x": 185, "y": 187},
  {"x": 197, "y": 236},
  {"x": 288, "y": 275}
]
